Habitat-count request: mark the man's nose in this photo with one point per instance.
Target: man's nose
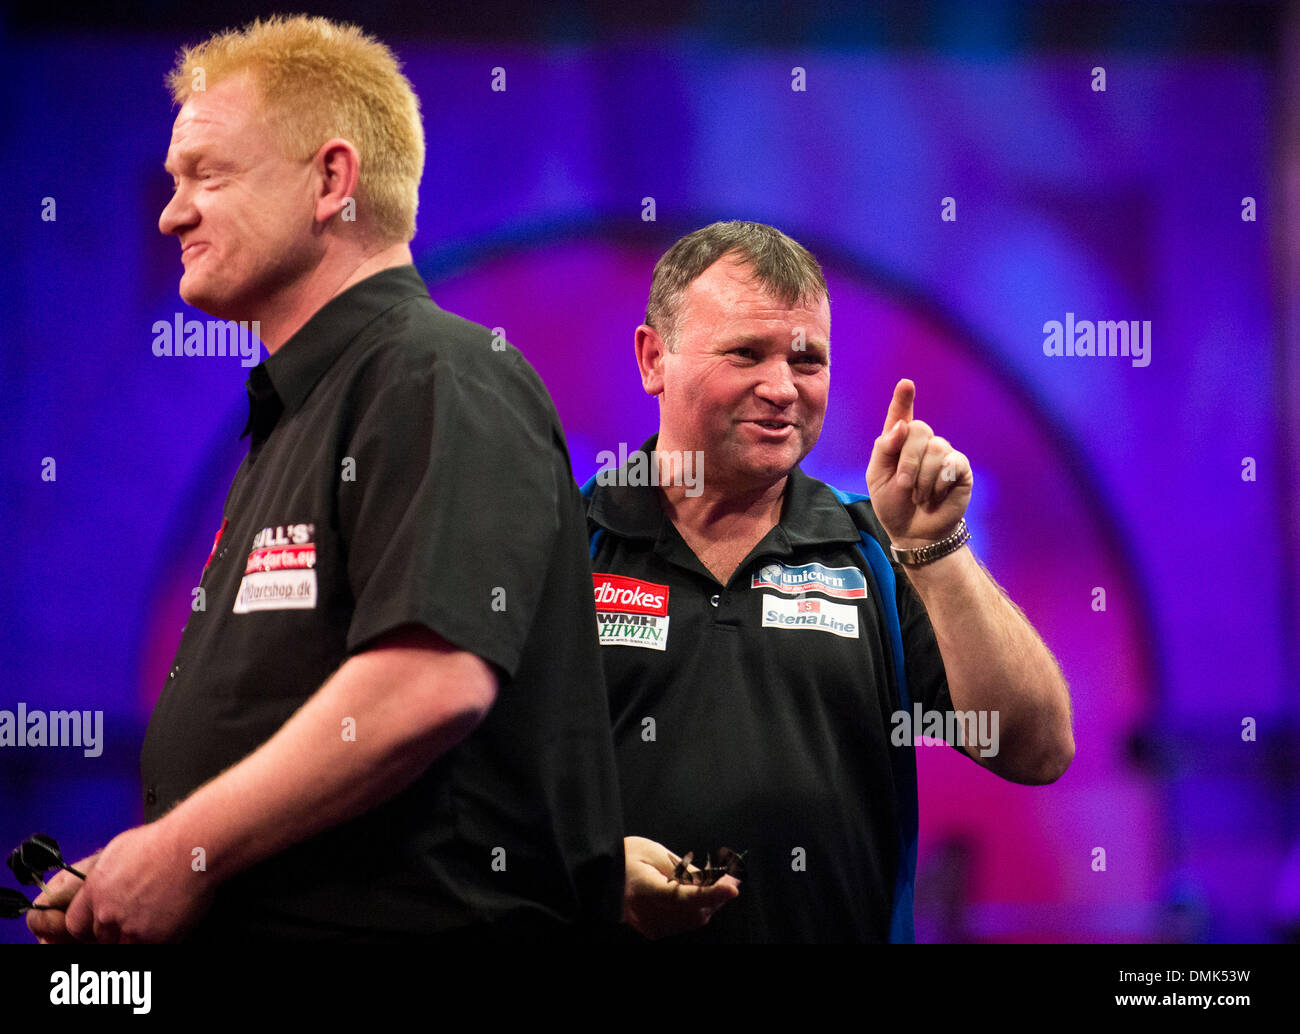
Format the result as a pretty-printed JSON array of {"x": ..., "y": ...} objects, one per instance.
[
  {"x": 777, "y": 385},
  {"x": 177, "y": 214}
]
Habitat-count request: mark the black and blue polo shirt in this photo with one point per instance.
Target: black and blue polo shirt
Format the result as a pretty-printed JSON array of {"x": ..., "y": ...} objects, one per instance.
[{"x": 756, "y": 715}]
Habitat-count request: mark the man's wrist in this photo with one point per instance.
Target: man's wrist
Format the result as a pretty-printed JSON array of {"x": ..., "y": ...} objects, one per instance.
[
  {"x": 920, "y": 552},
  {"x": 197, "y": 823}
]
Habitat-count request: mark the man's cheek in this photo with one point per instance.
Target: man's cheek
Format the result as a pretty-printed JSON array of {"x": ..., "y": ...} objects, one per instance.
[{"x": 811, "y": 434}]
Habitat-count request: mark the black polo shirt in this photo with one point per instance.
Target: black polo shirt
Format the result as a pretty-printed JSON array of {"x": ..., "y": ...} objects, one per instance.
[
  {"x": 405, "y": 468},
  {"x": 757, "y": 715}
]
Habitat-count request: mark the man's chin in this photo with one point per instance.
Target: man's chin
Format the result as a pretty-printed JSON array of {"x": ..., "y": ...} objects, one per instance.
[
  {"x": 765, "y": 466},
  {"x": 197, "y": 296}
]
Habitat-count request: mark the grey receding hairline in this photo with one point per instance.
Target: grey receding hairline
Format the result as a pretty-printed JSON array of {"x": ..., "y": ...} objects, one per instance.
[{"x": 782, "y": 266}]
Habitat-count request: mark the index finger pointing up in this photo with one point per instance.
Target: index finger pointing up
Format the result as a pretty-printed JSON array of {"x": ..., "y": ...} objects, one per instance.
[{"x": 900, "y": 406}]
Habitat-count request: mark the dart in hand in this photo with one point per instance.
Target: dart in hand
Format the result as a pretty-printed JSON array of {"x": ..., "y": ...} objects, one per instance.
[
  {"x": 34, "y": 857},
  {"x": 13, "y": 905},
  {"x": 730, "y": 863}
]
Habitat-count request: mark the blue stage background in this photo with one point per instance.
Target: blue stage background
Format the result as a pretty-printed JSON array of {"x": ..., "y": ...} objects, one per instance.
[{"x": 1122, "y": 204}]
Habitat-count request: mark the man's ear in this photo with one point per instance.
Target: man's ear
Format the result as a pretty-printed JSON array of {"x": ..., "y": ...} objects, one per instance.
[
  {"x": 338, "y": 168},
  {"x": 650, "y": 352}
]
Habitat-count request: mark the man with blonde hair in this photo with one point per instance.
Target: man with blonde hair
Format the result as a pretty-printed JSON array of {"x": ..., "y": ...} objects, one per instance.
[{"x": 375, "y": 729}]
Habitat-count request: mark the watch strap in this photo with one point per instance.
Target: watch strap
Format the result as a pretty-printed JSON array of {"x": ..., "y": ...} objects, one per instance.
[{"x": 923, "y": 555}]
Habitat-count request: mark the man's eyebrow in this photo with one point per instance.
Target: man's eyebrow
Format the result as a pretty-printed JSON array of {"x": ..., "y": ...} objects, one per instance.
[
  {"x": 751, "y": 340},
  {"x": 191, "y": 158},
  {"x": 178, "y": 159},
  {"x": 744, "y": 341}
]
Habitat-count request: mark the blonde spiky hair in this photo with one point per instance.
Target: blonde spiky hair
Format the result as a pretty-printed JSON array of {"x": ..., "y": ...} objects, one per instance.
[{"x": 318, "y": 80}]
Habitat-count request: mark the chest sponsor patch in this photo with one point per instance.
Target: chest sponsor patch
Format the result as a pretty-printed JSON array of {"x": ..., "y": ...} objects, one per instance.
[
  {"x": 280, "y": 573},
  {"x": 848, "y": 583},
  {"x": 839, "y": 619},
  {"x": 630, "y": 612}
]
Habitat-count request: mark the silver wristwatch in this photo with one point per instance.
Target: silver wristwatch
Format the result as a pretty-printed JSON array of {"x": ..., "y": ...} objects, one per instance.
[{"x": 929, "y": 554}]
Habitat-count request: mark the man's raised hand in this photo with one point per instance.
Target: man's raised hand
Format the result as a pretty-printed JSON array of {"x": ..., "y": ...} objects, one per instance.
[{"x": 919, "y": 484}]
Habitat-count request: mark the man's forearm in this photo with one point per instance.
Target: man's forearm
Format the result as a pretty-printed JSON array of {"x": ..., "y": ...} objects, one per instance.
[
  {"x": 995, "y": 661},
  {"x": 308, "y": 777}
]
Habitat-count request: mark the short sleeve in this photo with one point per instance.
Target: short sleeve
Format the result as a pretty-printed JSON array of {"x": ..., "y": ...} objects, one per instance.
[
  {"x": 927, "y": 679},
  {"x": 451, "y": 517},
  {"x": 926, "y": 676}
]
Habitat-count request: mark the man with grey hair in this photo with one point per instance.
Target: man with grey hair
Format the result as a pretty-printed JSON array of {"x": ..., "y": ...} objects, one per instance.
[{"x": 769, "y": 644}]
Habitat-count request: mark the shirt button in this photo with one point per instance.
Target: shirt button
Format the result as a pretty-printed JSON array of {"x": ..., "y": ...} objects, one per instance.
[
  {"x": 714, "y": 599},
  {"x": 172, "y": 674},
  {"x": 150, "y": 796}
]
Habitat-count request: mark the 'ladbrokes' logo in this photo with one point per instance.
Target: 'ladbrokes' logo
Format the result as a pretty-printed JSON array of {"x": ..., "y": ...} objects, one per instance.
[
  {"x": 614, "y": 592},
  {"x": 630, "y": 612}
]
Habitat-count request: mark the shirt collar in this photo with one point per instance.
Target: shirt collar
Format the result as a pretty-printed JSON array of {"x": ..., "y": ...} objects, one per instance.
[
  {"x": 282, "y": 382},
  {"x": 811, "y": 514},
  {"x": 264, "y": 406}
]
